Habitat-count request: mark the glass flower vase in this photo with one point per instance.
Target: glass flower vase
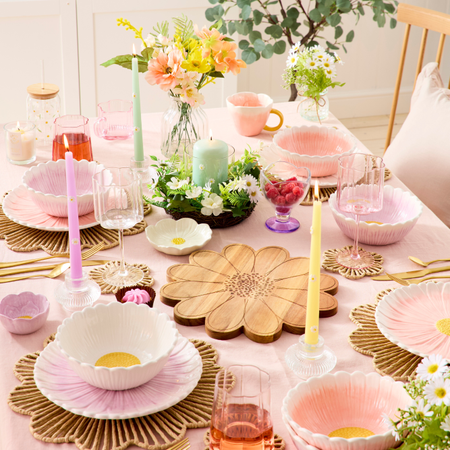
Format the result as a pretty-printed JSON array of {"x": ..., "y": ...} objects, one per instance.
[
  {"x": 315, "y": 111},
  {"x": 182, "y": 126}
]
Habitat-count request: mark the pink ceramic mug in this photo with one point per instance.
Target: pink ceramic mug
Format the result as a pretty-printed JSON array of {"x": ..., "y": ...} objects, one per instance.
[{"x": 250, "y": 112}]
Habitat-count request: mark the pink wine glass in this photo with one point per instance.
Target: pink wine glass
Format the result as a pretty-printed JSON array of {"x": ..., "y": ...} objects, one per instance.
[
  {"x": 284, "y": 185},
  {"x": 359, "y": 191}
]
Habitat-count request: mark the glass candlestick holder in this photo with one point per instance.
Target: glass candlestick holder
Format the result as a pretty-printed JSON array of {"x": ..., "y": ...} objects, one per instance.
[
  {"x": 142, "y": 169},
  {"x": 76, "y": 294},
  {"x": 308, "y": 360}
]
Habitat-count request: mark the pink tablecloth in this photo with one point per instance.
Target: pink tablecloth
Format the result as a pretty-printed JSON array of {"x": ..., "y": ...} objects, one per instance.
[{"x": 429, "y": 239}]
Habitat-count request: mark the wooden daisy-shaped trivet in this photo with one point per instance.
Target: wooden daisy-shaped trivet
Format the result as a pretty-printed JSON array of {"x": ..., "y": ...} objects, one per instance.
[
  {"x": 330, "y": 263},
  {"x": 388, "y": 358},
  {"x": 98, "y": 275}
]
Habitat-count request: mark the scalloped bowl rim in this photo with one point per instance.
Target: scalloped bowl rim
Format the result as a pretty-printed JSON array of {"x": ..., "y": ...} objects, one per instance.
[
  {"x": 332, "y": 201},
  {"x": 386, "y": 334},
  {"x": 49, "y": 195},
  {"x": 336, "y": 440},
  {"x": 45, "y": 311},
  {"x": 117, "y": 369},
  {"x": 317, "y": 157},
  {"x": 172, "y": 247}
]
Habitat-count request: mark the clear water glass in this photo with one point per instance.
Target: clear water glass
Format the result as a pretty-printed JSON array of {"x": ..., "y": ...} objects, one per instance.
[{"x": 115, "y": 120}]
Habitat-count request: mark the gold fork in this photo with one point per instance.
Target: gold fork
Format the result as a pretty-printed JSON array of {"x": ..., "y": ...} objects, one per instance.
[
  {"x": 182, "y": 445},
  {"x": 56, "y": 272},
  {"x": 413, "y": 281},
  {"x": 85, "y": 255}
]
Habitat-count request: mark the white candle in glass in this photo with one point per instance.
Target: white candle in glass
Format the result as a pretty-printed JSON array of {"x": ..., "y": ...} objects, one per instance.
[{"x": 20, "y": 142}]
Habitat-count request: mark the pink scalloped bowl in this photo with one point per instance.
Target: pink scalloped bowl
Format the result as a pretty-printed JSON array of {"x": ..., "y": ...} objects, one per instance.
[
  {"x": 408, "y": 317},
  {"x": 46, "y": 184},
  {"x": 14, "y": 308},
  {"x": 317, "y": 148},
  {"x": 321, "y": 405},
  {"x": 401, "y": 211}
]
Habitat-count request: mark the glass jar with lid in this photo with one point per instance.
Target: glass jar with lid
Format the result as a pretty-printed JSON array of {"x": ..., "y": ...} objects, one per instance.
[{"x": 43, "y": 107}]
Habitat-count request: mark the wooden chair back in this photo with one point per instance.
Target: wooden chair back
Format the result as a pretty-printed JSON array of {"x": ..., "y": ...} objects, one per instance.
[{"x": 428, "y": 20}]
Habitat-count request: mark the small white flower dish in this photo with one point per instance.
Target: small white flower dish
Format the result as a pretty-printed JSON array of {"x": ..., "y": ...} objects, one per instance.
[
  {"x": 120, "y": 331},
  {"x": 345, "y": 404},
  {"x": 317, "y": 148},
  {"x": 46, "y": 184},
  {"x": 401, "y": 210},
  {"x": 24, "y": 313},
  {"x": 178, "y": 237}
]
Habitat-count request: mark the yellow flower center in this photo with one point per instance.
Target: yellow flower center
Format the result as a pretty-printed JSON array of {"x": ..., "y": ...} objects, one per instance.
[
  {"x": 326, "y": 64},
  {"x": 169, "y": 70},
  {"x": 432, "y": 368},
  {"x": 253, "y": 194},
  {"x": 351, "y": 432},
  {"x": 248, "y": 183},
  {"x": 440, "y": 392},
  {"x": 178, "y": 241},
  {"x": 443, "y": 326},
  {"x": 117, "y": 359},
  {"x": 24, "y": 317}
]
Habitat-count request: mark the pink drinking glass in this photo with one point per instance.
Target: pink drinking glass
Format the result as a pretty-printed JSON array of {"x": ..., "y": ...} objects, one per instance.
[
  {"x": 359, "y": 191},
  {"x": 115, "y": 120}
]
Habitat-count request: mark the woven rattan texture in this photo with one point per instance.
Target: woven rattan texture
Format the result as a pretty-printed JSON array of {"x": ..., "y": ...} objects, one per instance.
[
  {"x": 388, "y": 358},
  {"x": 50, "y": 423}
]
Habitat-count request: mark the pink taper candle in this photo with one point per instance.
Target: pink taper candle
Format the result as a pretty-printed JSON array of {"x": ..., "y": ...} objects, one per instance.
[{"x": 76, "y": 270}]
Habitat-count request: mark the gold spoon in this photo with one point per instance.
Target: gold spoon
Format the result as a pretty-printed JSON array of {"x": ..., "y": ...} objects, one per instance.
[
  {"x": 416, "y": 281},
  {"x": 425, "y": 264}
]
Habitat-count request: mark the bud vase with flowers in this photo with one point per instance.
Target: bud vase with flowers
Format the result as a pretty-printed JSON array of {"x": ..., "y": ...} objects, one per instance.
[{"x": 182, "y": 65}]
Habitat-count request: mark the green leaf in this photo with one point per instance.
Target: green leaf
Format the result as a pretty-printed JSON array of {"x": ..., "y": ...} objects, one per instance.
[
  {"x": 350, "y": 36},
  {"x": 334, "y": 20},
  {"x": 243, "y": 28},
  {"x": 213, "y": 14},
  {"x": 223, "y": 28},
  {"x": 361, "y": 9},
  {"x": 267, "y": 52},
  {"x": 231, "y": 28},
  {"x": 332, "y": 46},
  {"x": 393, "y": 23},
  {"x": 279, "y": 47},
  {"x": 254, "y": 35},
  {"x": 243, "y": 45},
  {"x": 246, "y": 11},
  {"x": 259, "y": 45},
  {"x": 315, "y": 15},
  {"x": 389, "y": 7},
  {"x": 275, "y": 31},
  {"x": 125, "y": 61},
  {"x": 216, "y": 74},
  {"x": 381, "y": 20},
  {"x": 338, "y": 31},
  {"x": 147, "y": 53},
  {"x": 249, "y": 56},
  {"x": 324, "y": 9},
  {"x": 288, "y": 22},
  {"x": 242, "y": 3},
  {"x": 213, "y": 2},
  {"x": 343, "y": 46},
  {"x": 293, "y": 12},
  {"x": 257, "y": 16},
  {"x": 153, "y": 157},
  {"x": 344, "y": 6}
]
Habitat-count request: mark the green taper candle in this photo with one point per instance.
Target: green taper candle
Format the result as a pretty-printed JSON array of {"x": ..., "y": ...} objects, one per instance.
[{"x": 137, "y": 119}]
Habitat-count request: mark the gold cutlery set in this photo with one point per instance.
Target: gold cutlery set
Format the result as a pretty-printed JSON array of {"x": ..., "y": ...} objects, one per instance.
[{"x": 56, "y": 269}]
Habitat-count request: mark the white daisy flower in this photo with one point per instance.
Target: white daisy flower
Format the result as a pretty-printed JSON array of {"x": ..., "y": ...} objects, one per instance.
[
  {"x": 292, "y": 61},
  {"x": 175, "y": 183},
  {"x": 250, "y": 182},
  {"x": 330, "y": 73},
  {"x": 445, "y": 425},
  {"x": 338, "y": 59},
  {"x": 254, "y": 195},
  {"x": 391, "y": 425},
  {"x": 314, "y": 329},
  {"x": 212, "y": 205},
  {"x": 211, "y": 181},
  {"x": 422, "y": 409},
  {"x": 296, "y": 46},
  {"x": 431, "y": 367},
  {"x": 194, "y": 192},
  {"x": 201, "y": 167},
  {"x": 437, "y": 391},
  {"x": 311, "y": 63},
  {"x": 327, "y": 63},
  {"x": 240, "y": 184}
]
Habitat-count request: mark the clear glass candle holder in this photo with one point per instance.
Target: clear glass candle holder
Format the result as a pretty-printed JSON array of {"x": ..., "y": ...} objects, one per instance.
[{"x": 20, "y": 137}]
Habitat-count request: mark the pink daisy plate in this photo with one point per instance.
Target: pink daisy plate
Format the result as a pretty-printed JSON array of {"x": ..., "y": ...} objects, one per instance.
[
  {"x": 20, "y": 208},
  {"x": 417, "y": 318},
  {"x": 60, "y": 384}
]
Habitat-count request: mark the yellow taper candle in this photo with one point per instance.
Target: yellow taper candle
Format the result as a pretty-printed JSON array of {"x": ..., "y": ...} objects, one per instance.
[{"x": 312, "y": 306}]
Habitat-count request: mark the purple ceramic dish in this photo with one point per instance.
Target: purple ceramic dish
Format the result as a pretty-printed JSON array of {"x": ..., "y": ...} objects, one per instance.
[{"x": 24, "y": 313}]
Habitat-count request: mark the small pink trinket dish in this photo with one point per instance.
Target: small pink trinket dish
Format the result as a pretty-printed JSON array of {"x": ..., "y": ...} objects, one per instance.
[{"x": 24, "y": 313}]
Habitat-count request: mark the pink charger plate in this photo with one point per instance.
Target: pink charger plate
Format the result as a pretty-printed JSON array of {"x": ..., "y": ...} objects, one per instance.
[
  {"x": 20, "y": 208},
  {"x": 60, "y": 384}
]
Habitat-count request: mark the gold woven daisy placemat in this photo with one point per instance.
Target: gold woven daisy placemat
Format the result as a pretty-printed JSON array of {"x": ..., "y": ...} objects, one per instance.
[
  {"x": 51, "y": 423},
  {"x": 278, "y": 442},
  {"x": 388, "y": 358},
  {"x": 20, "y": 238}
]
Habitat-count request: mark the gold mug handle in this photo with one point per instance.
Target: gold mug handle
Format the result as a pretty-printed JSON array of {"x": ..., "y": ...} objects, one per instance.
[{"x": 280, "y": 115}]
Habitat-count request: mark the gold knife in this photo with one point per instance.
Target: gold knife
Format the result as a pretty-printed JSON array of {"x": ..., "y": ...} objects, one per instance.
[
  {"x": 88, "y": 262},
  {"x": 412, "y": 274}
]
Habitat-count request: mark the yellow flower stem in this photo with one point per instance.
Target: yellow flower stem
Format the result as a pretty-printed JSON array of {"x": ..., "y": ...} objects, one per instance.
[{"x": 210, "y": 80}]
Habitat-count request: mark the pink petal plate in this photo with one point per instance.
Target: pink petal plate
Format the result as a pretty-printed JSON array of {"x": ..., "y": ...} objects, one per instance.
[
  {"x": 60, "y": 384},
  {"x": 20, "y": 208},
  {"x": 299, "y": 443},
  {"x": 417, "y": 318}
]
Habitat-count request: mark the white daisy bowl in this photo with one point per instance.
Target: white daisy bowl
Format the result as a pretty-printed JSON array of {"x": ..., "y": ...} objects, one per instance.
[
  {"x": 317, "y": 148},
  {"x": 178, "y": 237},
  {"x": 401, "y": 210},
  {"x": 128, "y": 328},
  {"x": 46, "y": 184},
  {"x": 320, "y": 406}
]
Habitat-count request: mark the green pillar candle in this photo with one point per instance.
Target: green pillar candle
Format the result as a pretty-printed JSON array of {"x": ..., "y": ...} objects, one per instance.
[
  {"x": 137, "y": 119},
  {"x": 210, "y": 161}
]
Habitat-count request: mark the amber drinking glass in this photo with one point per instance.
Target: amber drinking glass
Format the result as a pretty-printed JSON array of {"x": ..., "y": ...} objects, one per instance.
[{"x": 76, "y": 129}]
